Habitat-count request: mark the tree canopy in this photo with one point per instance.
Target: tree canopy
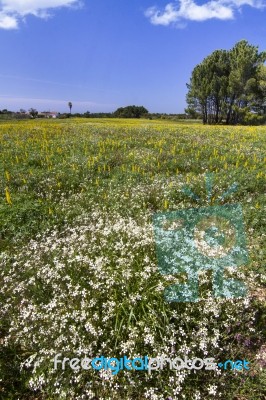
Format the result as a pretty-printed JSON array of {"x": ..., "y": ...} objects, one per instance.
[
  {"x": 130, "y": 112},
  {"x": 229, "y": 86},
  {"x": 33, "y": 112}
]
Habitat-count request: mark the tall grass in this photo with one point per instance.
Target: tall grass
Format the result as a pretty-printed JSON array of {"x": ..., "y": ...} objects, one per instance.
[{"x": 79, "y": 273}]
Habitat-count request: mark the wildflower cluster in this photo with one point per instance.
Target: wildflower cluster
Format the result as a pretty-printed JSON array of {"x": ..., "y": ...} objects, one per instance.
[{"x": 79, "y": 274}]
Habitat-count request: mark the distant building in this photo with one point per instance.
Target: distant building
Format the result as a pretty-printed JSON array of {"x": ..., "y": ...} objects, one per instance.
[{"x": 48, "y": 114}]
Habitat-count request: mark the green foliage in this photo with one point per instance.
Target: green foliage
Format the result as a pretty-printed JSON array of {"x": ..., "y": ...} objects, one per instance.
[
  {"x": 33, "y": 112},
  {"x": 250, "y": 118},
  {"x": 229, "y": 84},
  {"x": 130, "y": 112}
]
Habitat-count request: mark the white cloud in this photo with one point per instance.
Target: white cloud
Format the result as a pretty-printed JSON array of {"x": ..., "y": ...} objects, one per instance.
[
  {"x": 12, "y": 11},
  {"x": 189, "y": 10},
  {"x": 7, "y": 22}
]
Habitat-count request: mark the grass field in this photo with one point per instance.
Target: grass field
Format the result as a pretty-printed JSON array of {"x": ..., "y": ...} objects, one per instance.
[{"x": 79, "y": 274}]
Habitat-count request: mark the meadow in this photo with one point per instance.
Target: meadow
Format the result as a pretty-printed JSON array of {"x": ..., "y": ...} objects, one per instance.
[{"x": 79, "y": 273}]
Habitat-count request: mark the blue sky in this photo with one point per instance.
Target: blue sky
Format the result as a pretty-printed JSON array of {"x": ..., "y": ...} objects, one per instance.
[{"x": 105, "y": 54}]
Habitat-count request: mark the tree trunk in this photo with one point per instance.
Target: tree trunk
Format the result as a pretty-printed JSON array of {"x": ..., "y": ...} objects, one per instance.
[{"x": 229, "y": 113}]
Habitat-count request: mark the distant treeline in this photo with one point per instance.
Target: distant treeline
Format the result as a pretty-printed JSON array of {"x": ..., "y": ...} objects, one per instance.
[
  {"x": 146, "y": 116},
  {"x": 11, "y": 115},
  {"x": 131, "y": 112},
  {"x": 122, "y": 112}
]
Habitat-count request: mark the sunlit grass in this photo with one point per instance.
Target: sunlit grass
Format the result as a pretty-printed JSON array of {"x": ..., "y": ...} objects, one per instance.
[{"x": 79, "y": 270}]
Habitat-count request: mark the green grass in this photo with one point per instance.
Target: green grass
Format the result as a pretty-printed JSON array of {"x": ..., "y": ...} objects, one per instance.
[{"x": 79, "y": 270}]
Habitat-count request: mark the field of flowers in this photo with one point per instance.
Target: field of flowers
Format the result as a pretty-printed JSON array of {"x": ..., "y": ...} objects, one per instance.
[{"x": 79, "y": 274}]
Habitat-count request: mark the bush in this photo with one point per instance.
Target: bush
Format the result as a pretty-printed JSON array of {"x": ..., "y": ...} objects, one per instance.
[{"x": 130, "y": 112}]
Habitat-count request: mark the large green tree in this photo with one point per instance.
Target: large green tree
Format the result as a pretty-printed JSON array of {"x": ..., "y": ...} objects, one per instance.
[
  {"x": 228, "y": 85},
  {"x": 130, "y": 112}
]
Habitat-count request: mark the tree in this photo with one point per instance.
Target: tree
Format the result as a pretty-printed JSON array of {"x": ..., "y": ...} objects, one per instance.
[
  {"x": 228, "y": 85},
  {"x": 33, "y": 112},
  {"x": 70, "y": 106},
  {"x": 197, "y": 96},
  {"x": 131, "y": 112},
  {"x": 245, "y": 62}
]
